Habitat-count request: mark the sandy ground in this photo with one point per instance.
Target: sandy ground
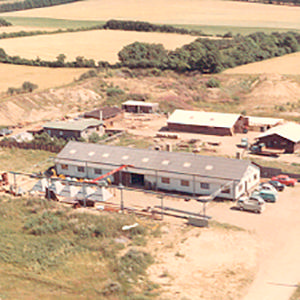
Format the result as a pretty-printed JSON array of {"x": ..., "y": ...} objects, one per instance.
[
  {"x": 204, "y": 12},
  {"x": 214, "y": 263}
]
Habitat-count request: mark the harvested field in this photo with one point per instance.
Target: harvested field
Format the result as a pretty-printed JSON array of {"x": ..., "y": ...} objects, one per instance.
[
  {"x": 206, "y": 12},
  {"x": 288, "y": 64},
  {"x": 102, "y": 44},
  {"x": 14, "y": 76}
]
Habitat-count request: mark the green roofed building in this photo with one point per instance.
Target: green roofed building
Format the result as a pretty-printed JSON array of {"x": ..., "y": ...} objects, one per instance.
[{"x": 73, "y": 129}]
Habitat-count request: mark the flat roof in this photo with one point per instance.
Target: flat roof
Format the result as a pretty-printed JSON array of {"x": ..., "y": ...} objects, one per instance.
[
  {"x": 176, "y": 162},
  {"x": 289, "y": 131},
  {"x": 263, "y": 121},
  {"x": 203, "y": 118},
  {"x": 77, "y": 125},
  {"x": 139, "y": 103}
]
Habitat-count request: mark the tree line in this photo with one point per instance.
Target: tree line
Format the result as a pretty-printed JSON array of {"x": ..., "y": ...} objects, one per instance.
[
  {"x": 204, "y": 55},
  {"x": 277, "y": 2},
  {"x": 210, "y": 56},
  {"x": 29, "y": 4}
]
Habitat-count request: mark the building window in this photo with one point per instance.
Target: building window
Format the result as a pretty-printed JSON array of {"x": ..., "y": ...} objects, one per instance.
[
  {"x": 226, "y": 191},
  {"x": 204, "y": 185},
  {"x": 98, "y": 171},
  {"x": 49, "y": 132},
  {"x": 61, "y": 133},
  {"x": 80, "y": 169},
  {"x": 64, "y": 167},
  {"x": 165, "y": 180},
  {"x": 255, "y": 176},
  {"x": 185, "y": 183}
]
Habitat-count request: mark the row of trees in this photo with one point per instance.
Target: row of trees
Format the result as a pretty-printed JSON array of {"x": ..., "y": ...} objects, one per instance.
[
  {"x": 29, "y": 4},
  {"x": 4, "y": 23},
  {"x": 281, "y": 2},
  {"x": 26, "y": 87},
  {"x": 210, "y": 56},
  {"x": 146, "y": 27}
]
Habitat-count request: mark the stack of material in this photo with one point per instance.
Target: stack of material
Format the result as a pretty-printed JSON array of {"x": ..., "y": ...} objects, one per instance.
[{"x": 101, "y": 195}]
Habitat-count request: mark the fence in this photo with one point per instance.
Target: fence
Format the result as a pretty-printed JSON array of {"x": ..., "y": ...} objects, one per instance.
[
  {"x": 268, "y": 172},
  {"x": 23, "y": 145}
]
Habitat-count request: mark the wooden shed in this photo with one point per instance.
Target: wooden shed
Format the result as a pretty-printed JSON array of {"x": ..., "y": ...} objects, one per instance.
[
  {"x": 132, "y": 106},
  {"x": 285, "y": 137}
]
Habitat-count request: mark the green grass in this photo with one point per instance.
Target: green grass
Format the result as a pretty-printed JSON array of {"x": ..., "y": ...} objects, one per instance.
[
  {"x": 50, "y": 22},
  {"x": 217, "y": 29},
  {"x": 225, "y": 226},
  {"x": 24, "y": 160},
  {"x": 48, "y": 251}
]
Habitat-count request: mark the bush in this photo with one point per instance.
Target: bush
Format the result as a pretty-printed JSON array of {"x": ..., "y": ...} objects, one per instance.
[
  {"x": 213, "y": 83},
  {"x": 114, "y": 91}
]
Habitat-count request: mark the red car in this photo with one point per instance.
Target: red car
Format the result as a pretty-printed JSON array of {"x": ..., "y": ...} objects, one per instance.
[{"x": 285, "y": 179}]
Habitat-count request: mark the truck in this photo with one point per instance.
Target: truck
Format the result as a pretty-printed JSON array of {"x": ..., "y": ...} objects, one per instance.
[{"x": 261, "y": 149}]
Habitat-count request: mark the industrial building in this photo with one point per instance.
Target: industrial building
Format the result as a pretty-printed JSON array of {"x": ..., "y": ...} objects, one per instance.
[
  {"x": 159, "y": 170},
  {"x": 212, "y": 123},
  {"x": 285, "y": 137}
]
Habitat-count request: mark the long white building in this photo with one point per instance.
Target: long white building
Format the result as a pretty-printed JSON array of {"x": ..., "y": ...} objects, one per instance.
[{"x": 159, "y": 170}]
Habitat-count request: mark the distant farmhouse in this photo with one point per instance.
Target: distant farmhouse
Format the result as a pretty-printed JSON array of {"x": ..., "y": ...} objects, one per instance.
[
  {"x": 159, "y": 170},
  {"x": 108, "y": 114},
  {"x": 73, "y": 129},
  {"x": 285, "y": 137},
  {"x": 212, "y": 123},
  {"x": 132, "y": 106}
]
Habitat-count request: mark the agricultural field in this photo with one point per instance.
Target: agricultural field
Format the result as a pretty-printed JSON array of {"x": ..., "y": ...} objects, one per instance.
[
  {"x": 202, "y": 12},
  {"x": 14, "y": 76},
  {"x": 95, "y": 44},
  {"x": 288, "y": 64}
]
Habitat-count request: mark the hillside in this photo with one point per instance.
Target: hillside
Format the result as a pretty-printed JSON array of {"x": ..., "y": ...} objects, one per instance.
[{"x": 254, "y": 94}]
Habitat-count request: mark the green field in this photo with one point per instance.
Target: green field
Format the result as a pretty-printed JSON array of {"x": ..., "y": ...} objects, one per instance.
[{"x": 50, "y": 22}]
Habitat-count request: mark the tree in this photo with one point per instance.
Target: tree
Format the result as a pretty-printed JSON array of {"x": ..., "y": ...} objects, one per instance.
[{"x": 27, "y": 86}]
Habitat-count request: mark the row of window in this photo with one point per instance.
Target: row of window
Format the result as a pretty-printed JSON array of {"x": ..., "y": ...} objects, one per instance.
[{"x": 81, "y": 169}]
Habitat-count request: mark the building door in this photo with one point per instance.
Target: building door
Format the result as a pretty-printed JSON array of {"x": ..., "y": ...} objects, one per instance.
[{"x": 137, "y": 179}]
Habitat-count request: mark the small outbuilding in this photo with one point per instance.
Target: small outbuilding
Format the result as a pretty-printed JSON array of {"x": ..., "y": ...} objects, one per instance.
[
  {"x": 132, "y": 106},
  {"x": 73, "y": 129},
  {"x": 212, "y": 123},
  {"x": 108, "y": 114},
  {"x": 285, "y": 137},
  {"x": 262, "y": 123}
]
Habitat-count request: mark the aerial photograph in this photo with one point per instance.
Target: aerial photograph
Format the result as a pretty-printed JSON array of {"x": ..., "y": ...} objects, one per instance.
[{"x": 150, "y": 150}]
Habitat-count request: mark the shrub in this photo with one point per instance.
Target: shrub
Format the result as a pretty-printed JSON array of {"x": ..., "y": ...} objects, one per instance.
[
  {"x": 114, "y": 91},
  {"x": 213, "y": 83}
]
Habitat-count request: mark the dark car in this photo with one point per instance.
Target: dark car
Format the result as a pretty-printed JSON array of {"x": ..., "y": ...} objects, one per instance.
[
  {"x": 5, "y": 131},
  {"x": 277, "y": 185}
]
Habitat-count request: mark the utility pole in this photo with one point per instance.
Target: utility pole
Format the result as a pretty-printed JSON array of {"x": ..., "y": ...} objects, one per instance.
[{"x": 121, "y": 187}]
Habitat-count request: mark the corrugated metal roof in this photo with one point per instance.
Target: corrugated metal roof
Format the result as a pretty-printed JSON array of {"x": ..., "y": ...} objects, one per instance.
[
  {"x": 263, "y": 121},
  {"x": 203, "y": 118},
  {"x": 139, "y": 103},
  {"x": 73, "y": 125},
  {"x": 290, "y": 131},
  {"x": 185, "y": 163}
]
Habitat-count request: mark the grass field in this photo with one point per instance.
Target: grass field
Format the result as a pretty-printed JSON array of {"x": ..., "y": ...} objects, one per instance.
[
  {"x": 96, "y": 44},
  {"x": 288, "y": 64},
  {"x": 201, "y": 12},
  {"x": 14, "y": 76},
  {"x": 50, "y": 22}
]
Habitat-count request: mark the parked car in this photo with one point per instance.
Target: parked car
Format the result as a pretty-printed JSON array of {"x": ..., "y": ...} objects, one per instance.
[
  {"x": 253, "y": 203},
  {"x": 266, "y": 195},
  {"x": 277, "y": 185},
  {"x": 268, "y": 187},
  {"x": 5, "y": 131},
  {"x": 285, "y": 179}
]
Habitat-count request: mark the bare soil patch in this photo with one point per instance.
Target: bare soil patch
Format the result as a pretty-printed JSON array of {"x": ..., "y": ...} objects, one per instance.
[{"x": 204, "y": 12}]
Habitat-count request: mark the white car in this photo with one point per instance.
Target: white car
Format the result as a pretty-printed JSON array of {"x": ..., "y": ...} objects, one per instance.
[
  {"x": 269, "y": 187},
  {"x": 252, "y": 203}
]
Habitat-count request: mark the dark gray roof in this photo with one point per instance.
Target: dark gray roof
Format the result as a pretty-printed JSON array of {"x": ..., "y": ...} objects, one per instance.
[{"x": 185, "y": 163}]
